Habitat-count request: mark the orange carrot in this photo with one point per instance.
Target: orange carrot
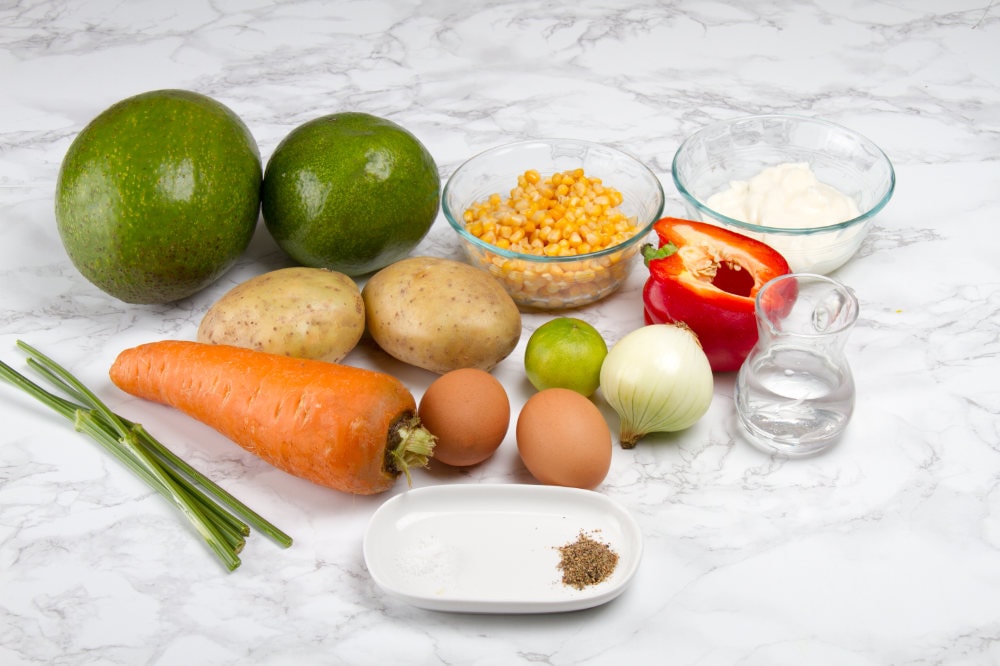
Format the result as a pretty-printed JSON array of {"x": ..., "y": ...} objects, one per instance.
[{"x": 343, "y": 427}]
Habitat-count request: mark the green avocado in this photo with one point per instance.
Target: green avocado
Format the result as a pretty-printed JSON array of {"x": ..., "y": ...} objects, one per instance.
[
  {"x": 350, "y": 192},
  {"x": 159, "y": 195}
]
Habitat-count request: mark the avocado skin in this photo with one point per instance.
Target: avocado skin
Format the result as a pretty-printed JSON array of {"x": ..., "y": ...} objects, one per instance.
[
  {"x": 350, "y": 192},
  {"x": 159, "y": 195}
]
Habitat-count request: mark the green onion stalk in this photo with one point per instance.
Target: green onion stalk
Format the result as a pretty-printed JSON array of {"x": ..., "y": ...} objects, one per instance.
[{"x": 221, "y": 519}]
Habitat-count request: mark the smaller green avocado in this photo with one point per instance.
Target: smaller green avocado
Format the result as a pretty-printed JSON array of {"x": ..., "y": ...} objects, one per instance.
[
  {"x": 159, "y": 195},
  {"x": 350, "y": 192}
]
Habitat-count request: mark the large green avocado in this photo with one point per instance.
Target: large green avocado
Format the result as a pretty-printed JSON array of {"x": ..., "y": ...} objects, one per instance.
[
  {"x": 350, "y": 192},
  {"x": 159, "y": 195}
]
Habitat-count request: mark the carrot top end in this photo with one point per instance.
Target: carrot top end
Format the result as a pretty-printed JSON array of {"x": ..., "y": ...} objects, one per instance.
[{"x": 410, "y": 445}]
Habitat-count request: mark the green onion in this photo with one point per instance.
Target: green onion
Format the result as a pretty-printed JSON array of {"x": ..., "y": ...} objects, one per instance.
[{"x": 222, "y": 520}]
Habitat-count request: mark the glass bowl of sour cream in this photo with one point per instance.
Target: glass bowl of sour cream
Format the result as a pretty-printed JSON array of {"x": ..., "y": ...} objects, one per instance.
[{"x": 807, "y": 187}]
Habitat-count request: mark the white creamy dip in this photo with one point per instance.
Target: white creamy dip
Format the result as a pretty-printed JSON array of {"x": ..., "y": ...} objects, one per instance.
[{"x": 786, "y": 196}]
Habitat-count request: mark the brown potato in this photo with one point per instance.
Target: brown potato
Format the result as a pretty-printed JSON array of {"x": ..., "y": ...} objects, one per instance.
[
  {"x": 301, "y": 312},
  {"x": 441, "y": 315}
]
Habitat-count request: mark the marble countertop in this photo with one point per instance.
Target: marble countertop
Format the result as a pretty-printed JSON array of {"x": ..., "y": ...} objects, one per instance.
[{"x": 884, "y": 550}]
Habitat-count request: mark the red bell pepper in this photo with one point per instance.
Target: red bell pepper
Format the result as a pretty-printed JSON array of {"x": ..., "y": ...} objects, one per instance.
[{"x": 707, "y": 277}]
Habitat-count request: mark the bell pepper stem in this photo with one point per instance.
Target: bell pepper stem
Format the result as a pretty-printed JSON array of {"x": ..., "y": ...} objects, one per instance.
[{"x": 651, "y": 253}]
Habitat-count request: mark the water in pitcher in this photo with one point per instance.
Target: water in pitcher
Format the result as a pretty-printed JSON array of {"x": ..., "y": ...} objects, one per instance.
[
  {"x": 795, "y": 390},
  {"x": 795, "y": 400}
]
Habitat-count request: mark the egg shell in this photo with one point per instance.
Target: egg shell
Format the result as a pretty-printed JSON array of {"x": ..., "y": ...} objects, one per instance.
[
  {"x": 563, "y": 439},
  {"x": 469, "y": 412}
]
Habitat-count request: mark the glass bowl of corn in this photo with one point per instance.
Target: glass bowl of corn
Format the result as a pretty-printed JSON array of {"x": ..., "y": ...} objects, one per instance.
[{"x": 558, "y": 222}]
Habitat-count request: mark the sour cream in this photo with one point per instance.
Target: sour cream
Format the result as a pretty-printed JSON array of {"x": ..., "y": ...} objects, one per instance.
[{"x": 786, "y": 196}]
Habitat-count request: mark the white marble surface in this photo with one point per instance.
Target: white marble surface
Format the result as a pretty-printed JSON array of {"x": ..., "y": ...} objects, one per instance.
[{"x": 886, "y": 550}]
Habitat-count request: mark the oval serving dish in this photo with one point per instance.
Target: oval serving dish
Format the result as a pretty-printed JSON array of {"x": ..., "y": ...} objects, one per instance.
[{"x": 494, "y": 548}]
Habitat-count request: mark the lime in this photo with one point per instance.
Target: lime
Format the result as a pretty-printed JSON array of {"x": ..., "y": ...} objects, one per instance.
[
  {"x": 350, "y": 192},
  {"x": 565, "y": 353}
]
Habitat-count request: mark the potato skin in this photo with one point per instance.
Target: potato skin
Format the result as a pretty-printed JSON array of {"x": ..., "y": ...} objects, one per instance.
[
  {"x": 301, "y": 312},
  {"x": 441, "y": 315}
]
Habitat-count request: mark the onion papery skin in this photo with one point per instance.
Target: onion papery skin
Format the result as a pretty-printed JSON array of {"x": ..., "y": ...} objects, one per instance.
[{"x": 657, "y": 379}]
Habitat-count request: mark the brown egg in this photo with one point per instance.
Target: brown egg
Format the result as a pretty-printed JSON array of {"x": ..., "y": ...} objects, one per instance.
[
  {"x": 563, "y": 439},
  {"x": 469, "y": 412}
]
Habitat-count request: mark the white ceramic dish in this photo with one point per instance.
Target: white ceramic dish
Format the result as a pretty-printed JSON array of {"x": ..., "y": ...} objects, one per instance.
[{"x": 494, "y": 548}]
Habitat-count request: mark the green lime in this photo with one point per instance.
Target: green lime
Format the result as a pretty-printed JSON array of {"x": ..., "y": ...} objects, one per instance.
[
  {"x": 565, "y": 353},
  {"x": 350, "y": 192},
  {"x": 159, "y": 195}
]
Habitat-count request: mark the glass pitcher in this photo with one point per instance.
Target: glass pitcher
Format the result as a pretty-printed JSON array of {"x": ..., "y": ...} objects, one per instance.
[{"x": 795, "y": 391}]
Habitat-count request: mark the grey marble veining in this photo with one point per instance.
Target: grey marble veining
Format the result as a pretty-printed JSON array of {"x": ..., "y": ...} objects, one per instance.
[{"x": 886, "y": 550}]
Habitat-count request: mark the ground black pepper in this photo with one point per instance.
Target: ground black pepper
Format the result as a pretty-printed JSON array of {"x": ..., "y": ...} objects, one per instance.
[{"x": 586, "y": 561}]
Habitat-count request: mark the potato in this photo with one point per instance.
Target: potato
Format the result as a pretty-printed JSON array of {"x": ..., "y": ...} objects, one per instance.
[
  {"x": 301, "y": 312},
  {"x": 441, "y": 315}
]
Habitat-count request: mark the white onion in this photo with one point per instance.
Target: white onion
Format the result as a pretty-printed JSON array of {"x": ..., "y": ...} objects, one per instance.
[{"x": 658, "y": 379}]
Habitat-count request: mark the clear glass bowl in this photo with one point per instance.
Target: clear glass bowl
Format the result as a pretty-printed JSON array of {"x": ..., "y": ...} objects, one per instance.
[
  {"x": 551, "y": 283},
  {"x": 714, "y": 156}
]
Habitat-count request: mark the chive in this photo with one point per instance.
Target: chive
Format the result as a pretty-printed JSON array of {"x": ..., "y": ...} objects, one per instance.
[
  {"x": 69, "y": 409},
  {"x": 87, "y": 422},
  {"x": 245, "y": 512},
  {"x": 175, "y": 462},
  {"x": 92, "y": 423},
  {"x": 206, "y": 505}
]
